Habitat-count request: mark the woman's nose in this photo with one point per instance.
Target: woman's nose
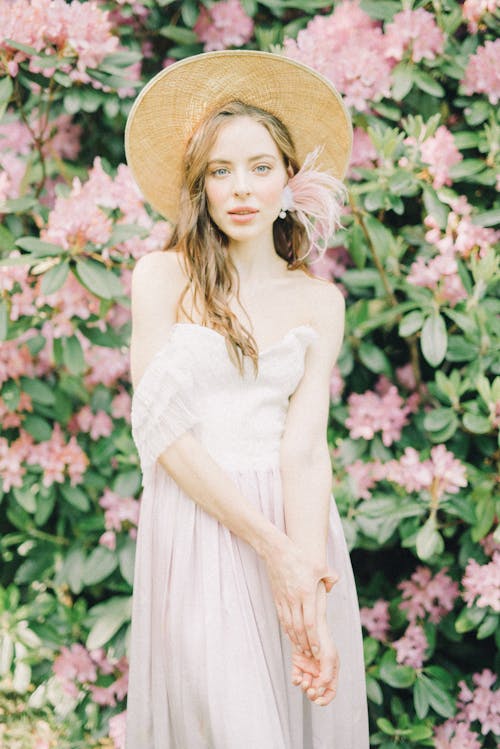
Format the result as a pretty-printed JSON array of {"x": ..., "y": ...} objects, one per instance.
[{"x": 240, "y": 185}]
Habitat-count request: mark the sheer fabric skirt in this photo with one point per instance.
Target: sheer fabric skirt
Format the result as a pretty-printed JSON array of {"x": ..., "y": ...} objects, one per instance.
[{"x": 210, "y": 667}]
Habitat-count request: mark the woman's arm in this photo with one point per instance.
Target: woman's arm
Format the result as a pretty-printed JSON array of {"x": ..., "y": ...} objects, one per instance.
[{"x": 305, "y": 460}]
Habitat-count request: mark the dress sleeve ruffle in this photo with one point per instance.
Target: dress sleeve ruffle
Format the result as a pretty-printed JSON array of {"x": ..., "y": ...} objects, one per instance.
[{"x": 162, "y": 408}]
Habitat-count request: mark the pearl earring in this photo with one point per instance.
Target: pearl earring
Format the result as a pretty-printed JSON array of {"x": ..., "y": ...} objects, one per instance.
[{"x": 282, "y": 213}]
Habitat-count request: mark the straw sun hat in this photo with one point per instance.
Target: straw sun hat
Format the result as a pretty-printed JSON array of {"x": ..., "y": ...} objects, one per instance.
[{"x": 171, "y": 106}]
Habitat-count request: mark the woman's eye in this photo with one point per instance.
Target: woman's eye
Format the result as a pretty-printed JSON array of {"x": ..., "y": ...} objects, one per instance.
[
  {"x": 262, "y": 168},
  {"x": 219, "y": 172}
]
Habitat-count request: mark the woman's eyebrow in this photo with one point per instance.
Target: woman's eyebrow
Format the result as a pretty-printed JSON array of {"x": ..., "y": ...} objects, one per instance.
[{"x": 252, "y": 158}]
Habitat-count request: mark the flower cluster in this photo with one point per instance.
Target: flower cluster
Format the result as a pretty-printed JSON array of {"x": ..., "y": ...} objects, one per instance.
[
  {"x": 411, "y": 647},
  {"x": 83, "y": 216},
  {"x": 440, "y": 274},
  {"x": 415, "y": 32},
  {"x": 482, "y": 581},
  {"x": 78, "y": 31},
  {"x": 376, "y": 619},
  {"x": 474, "y": 10},
  {"x": 347, "y": 47},
  {"x": 424, "y": 594},
  {"x": 455, "y": 735},
  {"x": 224, "y": 24},
  {"x": 439, "y": 474},
  {"x": 461, "y": 236},
  {"x": 482, "y": 703},
  {"x": 482, "y": 74},
  {"x": 120, "y": 513},
  {"x": 383, "y": 411},
  {"x": 57, "y": 459},
  {"x": 80, "y": 670}
]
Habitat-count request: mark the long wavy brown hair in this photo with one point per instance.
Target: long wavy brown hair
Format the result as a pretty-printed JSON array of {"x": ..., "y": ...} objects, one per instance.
[{"x": 203, "y": 247}]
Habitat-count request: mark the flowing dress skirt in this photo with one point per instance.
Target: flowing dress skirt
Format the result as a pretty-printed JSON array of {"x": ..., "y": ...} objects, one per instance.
[{"x": 210, "y": 667}]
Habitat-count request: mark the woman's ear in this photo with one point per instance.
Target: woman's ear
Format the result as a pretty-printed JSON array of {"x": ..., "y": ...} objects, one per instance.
[{"x": 289, "y": 170}]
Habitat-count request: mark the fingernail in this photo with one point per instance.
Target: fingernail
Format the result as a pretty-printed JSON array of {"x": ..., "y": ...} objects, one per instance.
[
  {"x": 321, "y": 691},
  {"x": 311, "y": 692}
]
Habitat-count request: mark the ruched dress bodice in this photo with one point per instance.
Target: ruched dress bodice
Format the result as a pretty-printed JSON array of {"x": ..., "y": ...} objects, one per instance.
[
  {"x": 191, "y": 382},
  {"x": 209, "y": 665}
]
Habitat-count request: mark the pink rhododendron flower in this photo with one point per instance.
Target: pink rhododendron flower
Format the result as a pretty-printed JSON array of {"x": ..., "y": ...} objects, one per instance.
[
  {"x": 489, "y": 545},
  {"x": 74, "y": 664},
  {"x": 440, "y": 474},
  {"x": 440, "y": 274},
  {"x": 474, "y": 10},
  {"x": 224, "y": 24},
  {"x": 336, "y": 385},
  {"x": 96, "y": 425},
  {"x": 59, "y": 459},
  {"x": 482, "y": 703},
  {"x": 121, "y": 405},
  {"x": 119, "y": 511},
  {"x": 370, "y": 413},
  {"x": 483, "y": 581},
  {"x": 410, "y": 649},
  {"x": 376, "y": 619},
  {"x": 348, "y": 47},
  {"x": 455, "y": 735},
  {"x": 365, "y": 476},
  {"x": 441, "y": 153},
  {"x": 363, "y": 154},
  {"x": 424, "y": 594},
  {"x": 461, "y": 235},
  {"x": 482, "y": 74},
  {"x": 416, "y": 31},
  {"x": 117, "y": 729},
  {"x": 79, "y": 32},
  {"x": 406, "y": 376}
]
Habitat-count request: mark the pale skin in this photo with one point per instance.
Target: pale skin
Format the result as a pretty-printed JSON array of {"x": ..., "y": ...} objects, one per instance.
[{"x": 246, "y": 170}]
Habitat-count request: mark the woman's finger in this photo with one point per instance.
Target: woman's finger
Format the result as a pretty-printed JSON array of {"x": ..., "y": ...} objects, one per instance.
[
  {"x": 298, "y": 624},
  {"x": 310, "y": 624}
]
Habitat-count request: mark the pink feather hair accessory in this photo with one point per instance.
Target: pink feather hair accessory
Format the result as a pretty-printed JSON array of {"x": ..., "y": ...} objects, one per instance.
[{"x": 316, "y": 197}]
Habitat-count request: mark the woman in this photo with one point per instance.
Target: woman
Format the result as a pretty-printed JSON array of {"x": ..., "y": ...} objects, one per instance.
[{"x": 235, "y": 633}]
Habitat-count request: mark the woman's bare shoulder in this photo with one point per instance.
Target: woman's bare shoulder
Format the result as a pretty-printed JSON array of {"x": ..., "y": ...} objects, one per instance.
[
  {"x": 158, "y": 268},
  {"x": 322, "y": 299}
]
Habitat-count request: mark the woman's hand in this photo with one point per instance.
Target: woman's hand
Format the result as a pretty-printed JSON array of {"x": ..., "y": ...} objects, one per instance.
[
  {"x": 294, "y": 581},
  {"x": 318, "y": 676}
]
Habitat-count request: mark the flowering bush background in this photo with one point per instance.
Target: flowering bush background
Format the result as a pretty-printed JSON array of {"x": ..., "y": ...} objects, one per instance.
[{"x": 415, "y": 396}]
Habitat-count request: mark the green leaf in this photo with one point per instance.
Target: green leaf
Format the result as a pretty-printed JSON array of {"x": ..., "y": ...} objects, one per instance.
[
  {"x": 410, "y": 323},
  {"x": 38, "y": 427},
  {"x": 356, "y": 244},
  {"x": 429, "y": 541},
  {"x": 6, "y": 89},
  {"x": 434, "y": 206},
  {"x": 75, "y": 497},
  {"x": 54, "y": 278},
  {"x": 126, "y": 557},
  {"x": 109, "y": 617},
  {"x": 371, "y": 648},
  {"x": 73, "y": 356},
  {"x": 439, "y": 698},
  {"x": 179, "y": 35},
  {"x": 18, "y": 205},
  {"x": 434, "y": 339},
  {"x": 380, "y": 236},
  {"x": 487, "y": 218},
  {"x": 466, "y": 168},
  {"x": 4, "y": 319},
  {"x": 122, "y": 232},
  {"x": 420, "y": 699},
  {"x": 72, "y": 569},
  {"x": 374, "y": 358},
  {"x": 39, "y": 247},
  {"x": 402, "y": 81},
  {"x": 469, "y": 618},
  {"x": 386, "y": 726},
  {"x": 439, "y": 418},
  {"x": 99, "y": 565},
  {"x": 98, "y": 279},
  {"x": 38, "y": 390},
  {"x": 25, "y": 497},
  {"x": 383, "y": 10},
  {"x": 488, "y": 626},
  {"x": 477, "y": 424},
  {"x": 374, "y": 690},
  {"x": 392, "y": 673},
  {"x": 427, "y": 83}
]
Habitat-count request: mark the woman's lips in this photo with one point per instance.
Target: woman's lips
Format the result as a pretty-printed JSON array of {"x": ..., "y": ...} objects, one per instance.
[{"x": 242, "y": 215}]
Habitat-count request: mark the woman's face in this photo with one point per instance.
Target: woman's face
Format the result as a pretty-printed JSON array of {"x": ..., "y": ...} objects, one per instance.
[{"x": 244, "y": 181}]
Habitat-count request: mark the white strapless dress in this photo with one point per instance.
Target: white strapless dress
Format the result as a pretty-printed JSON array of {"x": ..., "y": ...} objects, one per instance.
[{"x": 210, "y": 667}]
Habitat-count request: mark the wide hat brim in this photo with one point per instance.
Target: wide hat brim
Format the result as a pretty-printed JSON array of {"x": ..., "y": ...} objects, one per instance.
[{"x": 171, "y": 106}]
